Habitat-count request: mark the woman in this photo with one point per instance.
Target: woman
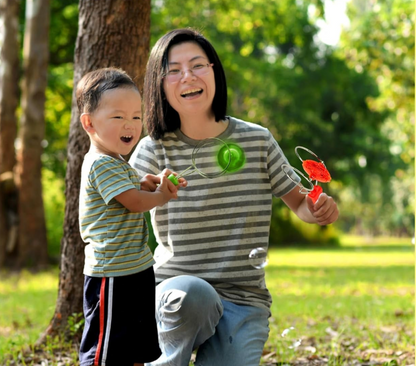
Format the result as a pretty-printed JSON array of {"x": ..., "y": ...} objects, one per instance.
[{"x": 209, "y": 297}]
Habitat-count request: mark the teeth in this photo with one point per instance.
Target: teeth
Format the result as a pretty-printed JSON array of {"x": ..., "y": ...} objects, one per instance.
[
  {"x": 190, "y": 91},
  {"x": 127, "y": 137}
]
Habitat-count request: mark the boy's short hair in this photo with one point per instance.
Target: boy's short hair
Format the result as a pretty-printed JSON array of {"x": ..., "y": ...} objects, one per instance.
[{"x": 93, "y": 84}]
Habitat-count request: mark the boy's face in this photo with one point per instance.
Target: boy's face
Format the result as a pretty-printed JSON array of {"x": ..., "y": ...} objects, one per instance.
[{"x": 116, "y": 125}]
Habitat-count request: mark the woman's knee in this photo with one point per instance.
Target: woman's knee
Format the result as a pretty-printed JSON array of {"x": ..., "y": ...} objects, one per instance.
[{"x": 183, "y": 298}]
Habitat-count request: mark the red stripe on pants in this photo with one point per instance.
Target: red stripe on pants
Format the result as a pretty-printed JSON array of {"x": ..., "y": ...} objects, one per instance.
[{"x": 102, "y": 313}]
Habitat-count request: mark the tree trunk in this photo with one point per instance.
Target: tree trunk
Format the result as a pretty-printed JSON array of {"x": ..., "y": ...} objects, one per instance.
[
  {"x": 32, "y": 228},
  {"x": 9, "y": 99},
  {"x": 110, "y": 33}
]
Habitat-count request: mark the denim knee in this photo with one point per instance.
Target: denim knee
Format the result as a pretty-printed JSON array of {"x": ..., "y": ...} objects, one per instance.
[{"x": 188, "y": 302}]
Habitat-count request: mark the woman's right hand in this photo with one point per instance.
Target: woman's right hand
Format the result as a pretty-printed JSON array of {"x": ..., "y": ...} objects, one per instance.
[{"x": 182, "y": 181}]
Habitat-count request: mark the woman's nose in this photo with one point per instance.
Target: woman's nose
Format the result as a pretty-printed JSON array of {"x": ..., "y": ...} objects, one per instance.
[{"x": 187, "y": 74}]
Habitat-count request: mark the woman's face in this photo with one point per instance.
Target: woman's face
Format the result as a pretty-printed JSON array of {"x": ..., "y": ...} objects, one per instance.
[{"x": 187, "y": 91}]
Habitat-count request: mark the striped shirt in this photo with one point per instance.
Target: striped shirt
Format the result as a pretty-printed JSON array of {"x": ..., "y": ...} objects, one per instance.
[
  {"x": 116, "y": 238},
  {"x": 210, "y": 230}
]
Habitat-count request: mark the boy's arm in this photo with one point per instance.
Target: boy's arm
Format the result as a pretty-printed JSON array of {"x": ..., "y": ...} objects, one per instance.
[{"x": 141, "y": 201}]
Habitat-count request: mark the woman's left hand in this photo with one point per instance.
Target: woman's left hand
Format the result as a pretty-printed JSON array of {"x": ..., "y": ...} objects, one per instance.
[{"x": 324, "y": 210}]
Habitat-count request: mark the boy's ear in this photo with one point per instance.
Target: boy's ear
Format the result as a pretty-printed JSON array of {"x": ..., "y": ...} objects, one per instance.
[{"x": 86, "y": 122}]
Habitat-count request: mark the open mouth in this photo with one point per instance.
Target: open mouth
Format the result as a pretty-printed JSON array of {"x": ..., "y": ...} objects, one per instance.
[
  {"x": 126, "y": 138},
  {"x": 191, "y": 93}
]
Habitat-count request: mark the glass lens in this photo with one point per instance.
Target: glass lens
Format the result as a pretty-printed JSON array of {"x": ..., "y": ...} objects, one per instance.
[{"x": 197, "y": 70}]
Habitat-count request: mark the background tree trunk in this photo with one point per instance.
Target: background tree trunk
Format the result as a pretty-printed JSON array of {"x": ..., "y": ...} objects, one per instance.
[
  {"x": 9, "y": 99},
  {"x": 110, "y": 33},
  {"x": 32, "y": 228}
]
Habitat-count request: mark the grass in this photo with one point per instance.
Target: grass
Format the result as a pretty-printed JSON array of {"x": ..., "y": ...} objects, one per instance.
[
  {"x": 349, "y": 304},
  {"x": 353, "y": 304},
  {"x": 27, "y": 302}
]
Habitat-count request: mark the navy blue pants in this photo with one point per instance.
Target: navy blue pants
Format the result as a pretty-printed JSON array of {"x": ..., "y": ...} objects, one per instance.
[{"x": 120, "y": 326}]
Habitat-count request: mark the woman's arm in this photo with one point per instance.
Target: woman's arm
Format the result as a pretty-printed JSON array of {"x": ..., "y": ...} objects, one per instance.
[{"x": 323, "y": 212}]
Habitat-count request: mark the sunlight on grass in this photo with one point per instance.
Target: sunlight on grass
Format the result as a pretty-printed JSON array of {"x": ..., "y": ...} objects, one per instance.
[
  {"x": 342, "y": 257},
  {"x": 343, "y": 301},
  {"x": 27, "y": 302},
  {"x": 25, "y": 281},
  {"x": 352, "y": 302},
  {"x": 354, "y": 240}
]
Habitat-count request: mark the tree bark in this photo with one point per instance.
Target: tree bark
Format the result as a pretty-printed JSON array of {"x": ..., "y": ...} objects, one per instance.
[
  {"x": 9, "y": 82},
  {"x": 32, "y": 249},
  {"x": 9, "y": 100},
  {"x": 110, "y": 33}
]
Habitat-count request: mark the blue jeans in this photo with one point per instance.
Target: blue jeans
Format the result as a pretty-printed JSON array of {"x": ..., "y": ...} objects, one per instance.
[{"x": 190, "y": 315}]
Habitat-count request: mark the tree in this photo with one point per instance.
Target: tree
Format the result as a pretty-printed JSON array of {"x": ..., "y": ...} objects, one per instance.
[
  {"x": 279, "y": 76},
  {"x": 32, "y": 240},
  {"x": 380, "y": 42},
  {"x": 9, "y": 76},
  {"x": 110, "y": 33},
  {"x": 9, "y": 99}
]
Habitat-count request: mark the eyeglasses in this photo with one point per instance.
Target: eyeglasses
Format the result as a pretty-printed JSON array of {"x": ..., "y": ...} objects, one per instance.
[{"x": 174, "y": 75}]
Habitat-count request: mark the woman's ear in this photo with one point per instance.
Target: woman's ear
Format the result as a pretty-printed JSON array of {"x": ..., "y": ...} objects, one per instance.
[{"x": 86, "y": 122}]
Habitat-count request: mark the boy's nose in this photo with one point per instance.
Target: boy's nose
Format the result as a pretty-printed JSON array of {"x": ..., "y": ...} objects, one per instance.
[{"x": 129, "y": 125}]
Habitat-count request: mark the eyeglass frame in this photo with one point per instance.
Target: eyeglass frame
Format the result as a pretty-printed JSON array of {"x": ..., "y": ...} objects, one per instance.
[{"x": 182, "y": 72}]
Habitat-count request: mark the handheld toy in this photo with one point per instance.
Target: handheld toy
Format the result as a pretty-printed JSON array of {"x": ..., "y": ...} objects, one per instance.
[{"x": 316, "y": 171}]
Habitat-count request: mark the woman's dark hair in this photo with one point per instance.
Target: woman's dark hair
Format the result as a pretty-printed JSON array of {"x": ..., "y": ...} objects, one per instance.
[
  {"x": 159, "y": 116},
  {"x": 93, "y": 84}
]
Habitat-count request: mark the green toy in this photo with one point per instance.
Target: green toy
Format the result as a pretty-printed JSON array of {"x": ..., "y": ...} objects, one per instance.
[{"x": 230, "y": 158}]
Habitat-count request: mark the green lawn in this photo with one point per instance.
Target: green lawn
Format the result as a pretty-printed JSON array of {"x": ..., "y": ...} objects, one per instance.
[
  {"x": 349, "y": 304},
  {"x": 355, "y": 302},
  {"x": 27, "y": 303}
]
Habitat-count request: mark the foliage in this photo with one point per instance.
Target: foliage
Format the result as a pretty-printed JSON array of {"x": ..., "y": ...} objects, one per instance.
[
  {"x": 307, "y": 94},
  {"x": 353, "y": 105},
  {"x": 75, "y": 325},
  {"x": 54, "y": 201},
  {"x": 63, "y": 33},
  {"x": 348, "y": 305},
  {"x": 58, "y": 118},
  {"x": 287, "y": 229},
  {"x": 380, "y": 42},
  {"x": 279, "y": 77},
  {"x": 64, "y": 29}
]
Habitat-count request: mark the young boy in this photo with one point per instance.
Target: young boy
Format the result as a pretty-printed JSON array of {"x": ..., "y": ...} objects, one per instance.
[{"x": 119, "y": 285}]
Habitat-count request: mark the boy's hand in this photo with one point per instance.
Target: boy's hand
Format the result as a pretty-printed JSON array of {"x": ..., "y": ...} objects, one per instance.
[
  {"x": 150, "y": 182},
  {"x": 164, "y": 189},
  {"x": 325, "y": 210}
]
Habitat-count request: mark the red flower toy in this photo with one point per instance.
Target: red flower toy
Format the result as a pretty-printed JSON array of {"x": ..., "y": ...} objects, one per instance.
[{"x": 316, "y": 171}]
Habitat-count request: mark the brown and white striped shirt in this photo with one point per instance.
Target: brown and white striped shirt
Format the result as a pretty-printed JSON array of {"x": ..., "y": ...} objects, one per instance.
[{"x": 214, "y": 224}]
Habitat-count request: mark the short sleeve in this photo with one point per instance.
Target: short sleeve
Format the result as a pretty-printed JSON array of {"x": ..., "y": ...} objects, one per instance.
[
  {"x": 110, "y": 178},
  {"x": 144, "y": 159},
  {"x": 280, "y": 182}
]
